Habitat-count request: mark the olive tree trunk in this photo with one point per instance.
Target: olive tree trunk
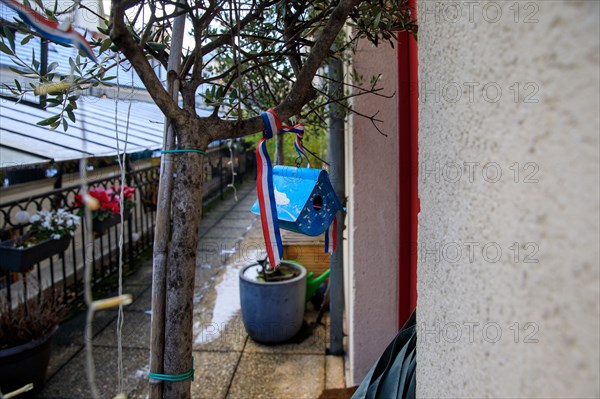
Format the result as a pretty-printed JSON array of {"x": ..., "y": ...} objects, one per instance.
[{"x": 186, "y": 211}]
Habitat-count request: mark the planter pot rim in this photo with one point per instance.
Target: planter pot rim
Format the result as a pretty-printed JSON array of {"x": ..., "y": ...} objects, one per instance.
[
  {"x": 9, "y": 244},
  {"x": 293, "y": 264},
  {"x": 13, "y": 350}
]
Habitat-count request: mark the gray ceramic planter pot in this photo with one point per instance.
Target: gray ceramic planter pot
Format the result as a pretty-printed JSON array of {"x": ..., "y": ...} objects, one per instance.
[{"x": 272, "y": 312}]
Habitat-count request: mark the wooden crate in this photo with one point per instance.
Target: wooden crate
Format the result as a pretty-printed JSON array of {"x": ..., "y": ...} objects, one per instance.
[{"x": 308, "y": 251}]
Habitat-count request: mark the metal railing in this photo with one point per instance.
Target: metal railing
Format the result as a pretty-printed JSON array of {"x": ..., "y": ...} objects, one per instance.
[{"x": 63, "y": 273}]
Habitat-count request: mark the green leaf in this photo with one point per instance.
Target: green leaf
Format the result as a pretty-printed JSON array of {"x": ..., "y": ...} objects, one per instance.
[
  {"x": 158, "y": 47},
  {"x": 52, "y": 66},
  {"x": 49, "y": 121},
  {"x": 17, "y": 85},
  {"x": 72, "y": 64},
  {"x": 26, "y": 39},
  {"x": 4, "y": 48},
  {"x": 55, "y": 125},
  {"x": 377, "y": 20},
  {"x": 10, "y": 36},
  {"x": 11, "y": 89},
  {"x": 52, "y": 101},
  {"x": 105, "y": 45},
  {"x": 71, "y": 116},
  {"x": 65, "y": 124}
]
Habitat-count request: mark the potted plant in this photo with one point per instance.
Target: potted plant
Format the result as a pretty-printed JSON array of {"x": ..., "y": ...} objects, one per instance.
[
  {"x": 273, "y": 304},
  {"x": 105, "y": 204},
  {"x": 49, "y": 233},
  {"x": 25, "y": 343}
]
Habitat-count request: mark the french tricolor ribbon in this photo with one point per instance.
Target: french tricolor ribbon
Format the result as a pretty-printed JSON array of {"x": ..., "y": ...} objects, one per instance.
[
  {"x": 272, "y": 123},
  {"x": 51, "y": 30},
  {"x": 331, "y": 237},
  {"x": 264, "y": 184},
  {"x": 266, "y": 194},
  {"x": 299, "y": 130}
]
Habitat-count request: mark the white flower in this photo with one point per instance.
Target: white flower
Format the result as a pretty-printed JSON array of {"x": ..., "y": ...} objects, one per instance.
[
  {"x": 22, "y": 217},
  {"x": 57, "y": 223}
]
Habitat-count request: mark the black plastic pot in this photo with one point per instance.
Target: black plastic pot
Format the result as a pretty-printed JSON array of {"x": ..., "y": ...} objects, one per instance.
[
  {"x": 100, "y": 227},
  {"x": 22, "y": 259},
  {"x": 272, "y": 312},
  {"x": 24, "y": 364}
]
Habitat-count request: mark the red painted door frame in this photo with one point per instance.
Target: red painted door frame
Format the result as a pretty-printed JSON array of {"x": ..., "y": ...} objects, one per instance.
[{"x": 408, "y": 153}]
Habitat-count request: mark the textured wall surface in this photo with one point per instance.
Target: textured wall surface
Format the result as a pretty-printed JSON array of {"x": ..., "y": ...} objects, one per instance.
[
  {"x": 508, "y": 147},
  {"x": 372, "y": 184}
]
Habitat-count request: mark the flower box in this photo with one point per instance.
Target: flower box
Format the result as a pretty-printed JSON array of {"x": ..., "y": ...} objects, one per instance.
[
  {"x": 22, "y": 259},
  {"x": 100, "y": 226}
]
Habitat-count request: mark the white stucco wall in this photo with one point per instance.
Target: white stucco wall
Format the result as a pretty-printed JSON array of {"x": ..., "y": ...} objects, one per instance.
[
  {"x": 372, "y": 185},
  {"x": 544, "y": 300}
]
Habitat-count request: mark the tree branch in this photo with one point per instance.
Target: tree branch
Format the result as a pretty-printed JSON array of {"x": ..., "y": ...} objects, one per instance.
[{"x": 302, "y": 91}]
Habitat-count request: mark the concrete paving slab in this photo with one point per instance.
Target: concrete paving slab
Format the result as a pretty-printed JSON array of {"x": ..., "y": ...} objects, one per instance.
[
  {"x": 217, "y": 323},
  {"x": 71, "y": 331},
  {"x": 239, "y": 221},
  {"x": 61, "y": 355},
  {"x": 311, "y": 340},
  {"x": 142, "y": 276},
  {"x": 135, "y": 332},
  {"x": 222, "y": 246},
  {"x": 334, "y": 372},
  {"x": 70, "y": 382},
  {"x": 211, "y": 258},
  {"x": 135, "y": 290},
  {"x": 209, "y": 223},
  {"x": 205, "y": 277},
  {"x": 271, "y": 375},
  {"x": 223, "y": 231},
  {"x": 214, "y": 372},
  {"x": 142, "y": 302},
  {"x": 211, "y": 216},
  {"x": 218, "y": 336},
  {"x": 222, "y": 208},
  {"x": 239, "y": 210}
]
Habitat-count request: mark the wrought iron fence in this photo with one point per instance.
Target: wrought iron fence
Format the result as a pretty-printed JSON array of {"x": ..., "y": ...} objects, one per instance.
[{"x": 63, "y": 272}]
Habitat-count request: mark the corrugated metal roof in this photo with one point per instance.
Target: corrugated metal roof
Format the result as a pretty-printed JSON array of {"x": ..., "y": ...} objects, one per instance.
[
  {"x": 18, "y": 130},
  {"x": 11, "y": 157},
  {"x": 22, "y": 142}
]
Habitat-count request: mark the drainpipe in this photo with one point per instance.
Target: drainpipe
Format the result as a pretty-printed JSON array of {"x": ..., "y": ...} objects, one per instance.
[{"x": 337, "y": 174}]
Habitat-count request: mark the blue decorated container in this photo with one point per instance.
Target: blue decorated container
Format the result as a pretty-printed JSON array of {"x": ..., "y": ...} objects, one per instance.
[{"x": 306, "y": 202}]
